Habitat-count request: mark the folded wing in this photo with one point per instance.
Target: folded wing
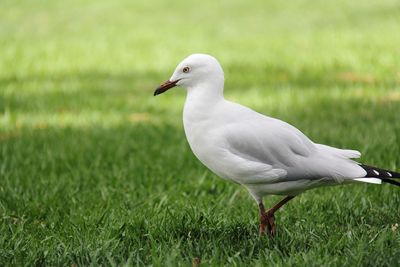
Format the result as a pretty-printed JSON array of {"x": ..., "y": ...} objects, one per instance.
[{"x": 281, "y": 146}]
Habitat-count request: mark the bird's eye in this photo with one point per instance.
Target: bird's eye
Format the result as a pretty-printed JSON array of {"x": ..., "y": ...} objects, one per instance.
[{"x": 186, "y": 69}]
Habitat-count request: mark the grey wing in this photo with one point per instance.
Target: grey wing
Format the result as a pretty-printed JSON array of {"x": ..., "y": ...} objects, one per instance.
[
  {"x": 269, "y": 141},
  {"x": 284, "y": 147},
  {"x": 264, "y": 155}
]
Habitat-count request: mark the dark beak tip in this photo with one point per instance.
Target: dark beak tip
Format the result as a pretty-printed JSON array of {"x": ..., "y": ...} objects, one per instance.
[
  {"x": 164, "y": 87},
  {"x": 158, "y": 91}
]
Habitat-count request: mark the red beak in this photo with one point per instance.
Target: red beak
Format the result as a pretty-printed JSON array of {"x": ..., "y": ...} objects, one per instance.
[{"x": 165, "y": 86}]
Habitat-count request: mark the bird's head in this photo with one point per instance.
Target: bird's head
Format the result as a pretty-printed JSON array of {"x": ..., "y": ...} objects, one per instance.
[{"x": 195, "y": 71}]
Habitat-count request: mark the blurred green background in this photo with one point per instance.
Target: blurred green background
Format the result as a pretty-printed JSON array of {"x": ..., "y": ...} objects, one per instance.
[{"x": 95, "y": 170}]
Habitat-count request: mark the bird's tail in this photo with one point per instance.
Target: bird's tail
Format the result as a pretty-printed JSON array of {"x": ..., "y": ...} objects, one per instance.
[{"x": 384, "y": 175}]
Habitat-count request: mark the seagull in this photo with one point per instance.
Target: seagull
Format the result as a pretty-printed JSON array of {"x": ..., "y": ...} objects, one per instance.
[{"x": 265, "y": 155}]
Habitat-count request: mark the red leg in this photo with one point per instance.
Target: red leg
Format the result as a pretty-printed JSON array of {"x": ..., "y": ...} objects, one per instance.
[
  {"x": 263, "y": 218},
  {"x": 268, "y": 218}
]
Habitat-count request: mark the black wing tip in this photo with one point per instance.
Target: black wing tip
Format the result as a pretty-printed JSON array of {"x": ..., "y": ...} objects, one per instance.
[{"x": 379, "y": 173}]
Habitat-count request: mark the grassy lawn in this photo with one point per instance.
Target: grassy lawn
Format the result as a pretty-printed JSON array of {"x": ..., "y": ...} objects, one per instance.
[{"x": 96, "y": 171}]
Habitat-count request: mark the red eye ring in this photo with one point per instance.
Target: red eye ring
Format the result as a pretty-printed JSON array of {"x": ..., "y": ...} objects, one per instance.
[{"x": 186, "y": 69}]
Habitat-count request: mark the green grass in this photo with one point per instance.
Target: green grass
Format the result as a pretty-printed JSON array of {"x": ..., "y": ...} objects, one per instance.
[{"x": 96, "y": 171}]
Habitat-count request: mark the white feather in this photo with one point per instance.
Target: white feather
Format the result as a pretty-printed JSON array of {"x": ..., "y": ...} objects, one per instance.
[{"x": 369, "y": 180}]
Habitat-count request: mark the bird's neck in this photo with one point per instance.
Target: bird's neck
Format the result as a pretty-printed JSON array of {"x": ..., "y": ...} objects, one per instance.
[
  {"x": 201, "y": 101},
  {"x": 205, "y": 93}
]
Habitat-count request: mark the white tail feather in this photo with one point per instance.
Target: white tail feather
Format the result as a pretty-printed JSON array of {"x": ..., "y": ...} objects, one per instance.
[{"x": 369, "y": 180}]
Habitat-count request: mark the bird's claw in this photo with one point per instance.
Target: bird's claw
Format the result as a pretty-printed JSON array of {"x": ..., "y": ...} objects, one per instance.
[{"x": 268, "y": 220}]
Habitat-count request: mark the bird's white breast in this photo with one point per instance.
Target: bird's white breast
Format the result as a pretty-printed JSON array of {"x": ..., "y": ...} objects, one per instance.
[
  {"x": 199, "y": 133},
  {"x": 204, "y": 125}
]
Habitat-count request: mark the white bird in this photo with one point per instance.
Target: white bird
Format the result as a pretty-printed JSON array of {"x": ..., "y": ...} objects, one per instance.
[{"x": 265, "y": 155}]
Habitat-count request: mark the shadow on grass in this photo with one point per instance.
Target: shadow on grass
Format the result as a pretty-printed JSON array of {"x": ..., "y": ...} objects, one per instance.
[
  {"x": 96, "y": 86},
  {"x": 76, "y": 90}
]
